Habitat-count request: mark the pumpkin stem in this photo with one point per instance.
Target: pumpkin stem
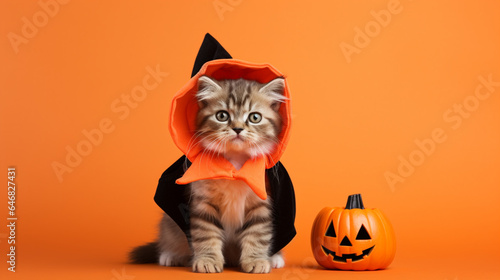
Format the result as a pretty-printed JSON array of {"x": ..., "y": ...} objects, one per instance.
[{"x": 354, "y": 201}]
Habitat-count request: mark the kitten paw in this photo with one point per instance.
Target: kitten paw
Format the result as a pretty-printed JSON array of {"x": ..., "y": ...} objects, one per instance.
[
  {"x": 277, "y": 261},
  {"x": 206, "y": 265},
  {"x": 256, "y": 266},
  {"x": 170, "y": 259},
  {"x": 166, "y": 259}
]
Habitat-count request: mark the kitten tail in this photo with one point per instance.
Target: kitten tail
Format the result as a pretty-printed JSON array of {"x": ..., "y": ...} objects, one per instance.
[{"x": 147, "y": 253}]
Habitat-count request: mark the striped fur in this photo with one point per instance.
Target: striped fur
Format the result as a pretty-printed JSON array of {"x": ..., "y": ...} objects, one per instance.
[{"x": 230, "y": 224}]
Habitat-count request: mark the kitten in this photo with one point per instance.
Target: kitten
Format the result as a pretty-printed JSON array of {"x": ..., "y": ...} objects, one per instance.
[{"x": 230, "y": 224}]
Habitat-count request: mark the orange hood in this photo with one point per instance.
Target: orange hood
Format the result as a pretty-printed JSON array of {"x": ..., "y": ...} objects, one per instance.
[{"x": 183, "y": 124}]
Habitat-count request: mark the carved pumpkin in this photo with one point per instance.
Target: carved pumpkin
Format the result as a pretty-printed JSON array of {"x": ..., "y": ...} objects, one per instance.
[{"x": 352, "y": 238}]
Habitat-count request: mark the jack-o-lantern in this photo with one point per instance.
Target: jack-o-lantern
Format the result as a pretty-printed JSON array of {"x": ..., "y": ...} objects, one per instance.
[{"x": 353, "y": 238}]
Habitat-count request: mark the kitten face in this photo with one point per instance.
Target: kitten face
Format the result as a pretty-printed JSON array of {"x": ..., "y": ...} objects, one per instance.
[{"x": 239, "y": 116}]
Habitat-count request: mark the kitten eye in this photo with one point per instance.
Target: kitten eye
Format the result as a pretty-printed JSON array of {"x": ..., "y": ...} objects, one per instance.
[
  {"x": 255, "y": 117},
  {"x": 222, "y": 116}
]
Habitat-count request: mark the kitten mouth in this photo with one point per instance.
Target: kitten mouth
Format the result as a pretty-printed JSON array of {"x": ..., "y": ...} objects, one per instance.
[
  {"x": 238, "y": 142},
  {"x": 238, "y": 138}
]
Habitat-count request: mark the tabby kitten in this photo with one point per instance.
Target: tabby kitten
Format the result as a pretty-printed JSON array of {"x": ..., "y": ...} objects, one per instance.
[{"x": 230, "y": 224}]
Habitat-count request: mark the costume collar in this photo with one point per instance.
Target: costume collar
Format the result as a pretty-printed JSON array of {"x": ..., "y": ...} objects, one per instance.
[{"x": 204, "y": 167}]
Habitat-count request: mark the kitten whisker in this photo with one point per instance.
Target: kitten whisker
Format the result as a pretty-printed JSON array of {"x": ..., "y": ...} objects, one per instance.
[
  {"x": 213, "y": 148},
  {"x": 195, "y": 139},
  {"x": 208, "y": 149}
]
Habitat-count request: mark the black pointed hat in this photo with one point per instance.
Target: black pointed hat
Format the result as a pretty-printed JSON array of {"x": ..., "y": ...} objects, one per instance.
[{"x": 210, "y": 49}]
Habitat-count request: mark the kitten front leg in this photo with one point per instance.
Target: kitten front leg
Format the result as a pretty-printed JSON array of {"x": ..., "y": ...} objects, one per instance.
[
  {"x": 255, "y": 240},
  {"x": 277, "y": 260},
  {"x": 206, "y": 239}
]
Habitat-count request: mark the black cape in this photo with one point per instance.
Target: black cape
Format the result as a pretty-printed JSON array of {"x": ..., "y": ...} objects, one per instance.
[{"x": 173, "y": 198}]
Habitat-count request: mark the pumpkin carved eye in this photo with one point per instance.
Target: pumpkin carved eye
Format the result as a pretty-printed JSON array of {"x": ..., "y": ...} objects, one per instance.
[
  {"x": 330, "y": 231},
  {"x": 363, "y": 234}
]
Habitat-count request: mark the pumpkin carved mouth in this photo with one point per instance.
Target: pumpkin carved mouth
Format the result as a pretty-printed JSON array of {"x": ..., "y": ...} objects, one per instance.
[{"x": 345, "y": 257}]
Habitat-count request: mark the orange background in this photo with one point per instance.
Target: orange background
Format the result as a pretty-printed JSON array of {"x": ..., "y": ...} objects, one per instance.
[{"x": 352, "y": 121}]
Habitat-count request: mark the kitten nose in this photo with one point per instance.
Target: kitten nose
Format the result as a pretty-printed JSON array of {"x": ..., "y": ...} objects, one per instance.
[{"x": 238, "y": 130}]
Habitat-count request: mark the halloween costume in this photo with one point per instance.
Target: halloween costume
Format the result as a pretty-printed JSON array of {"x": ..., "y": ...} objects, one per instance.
[{"x": 214, "y": 61}]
